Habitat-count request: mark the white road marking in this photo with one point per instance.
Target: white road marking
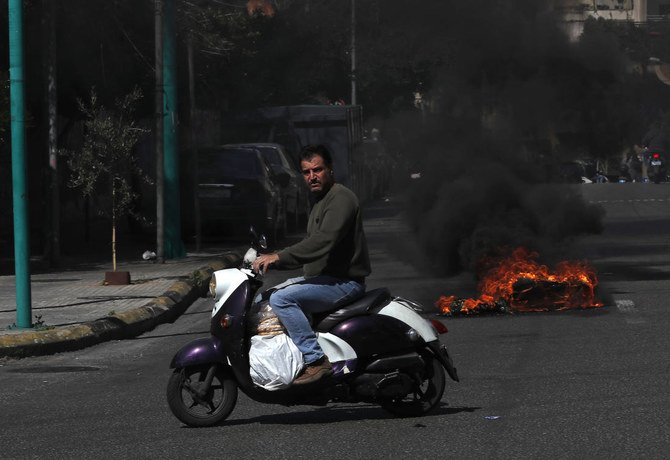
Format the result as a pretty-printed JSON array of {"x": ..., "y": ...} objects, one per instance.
[
  {"x": 628, "y": 308},
  {"x": 638, "y": 200}
]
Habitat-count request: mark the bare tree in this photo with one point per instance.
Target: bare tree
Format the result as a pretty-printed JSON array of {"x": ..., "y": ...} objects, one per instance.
[
  {"x": 4, "y": 104},
  {"x": 52, "y": 251}
]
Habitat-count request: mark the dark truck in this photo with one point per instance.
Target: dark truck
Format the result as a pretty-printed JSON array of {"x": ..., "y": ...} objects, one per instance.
[{"x": 338, "y": 127}]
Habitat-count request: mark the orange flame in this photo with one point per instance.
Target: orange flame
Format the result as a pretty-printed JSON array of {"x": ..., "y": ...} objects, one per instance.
[{"x": 519, "y": 283}]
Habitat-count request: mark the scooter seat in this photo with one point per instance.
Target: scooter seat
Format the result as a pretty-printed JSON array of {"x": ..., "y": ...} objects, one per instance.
[{"x": 363, "y": 306}]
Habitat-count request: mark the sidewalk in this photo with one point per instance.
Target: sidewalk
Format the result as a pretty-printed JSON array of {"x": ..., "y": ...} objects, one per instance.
[{"x": 72, "y": 309}]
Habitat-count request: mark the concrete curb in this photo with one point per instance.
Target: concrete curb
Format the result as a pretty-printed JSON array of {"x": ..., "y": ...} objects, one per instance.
[{"x": 164, "y": 308}]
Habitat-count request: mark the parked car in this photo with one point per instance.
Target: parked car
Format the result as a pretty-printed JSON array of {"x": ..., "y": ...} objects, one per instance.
[
  {"x": 237, "y": 188},
  {"x": 295, "y": 194}
]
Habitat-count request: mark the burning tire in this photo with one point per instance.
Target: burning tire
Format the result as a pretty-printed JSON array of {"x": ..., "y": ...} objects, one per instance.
[
  {"x": 425, "y": 396},
  {"x": 196, "y": 405},
  {"x": 518, "y": 283}
]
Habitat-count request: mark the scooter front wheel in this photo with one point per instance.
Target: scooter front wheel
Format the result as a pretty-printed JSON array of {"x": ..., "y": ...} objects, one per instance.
[{"x": 200, "y": 401}]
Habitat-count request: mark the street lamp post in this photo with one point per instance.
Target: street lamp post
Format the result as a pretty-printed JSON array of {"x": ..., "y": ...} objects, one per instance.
[{"x": 174, "y": 248}]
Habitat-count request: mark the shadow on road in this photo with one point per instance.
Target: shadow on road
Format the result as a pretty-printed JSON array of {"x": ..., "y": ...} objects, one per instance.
[{"x": 338, "y": 414}]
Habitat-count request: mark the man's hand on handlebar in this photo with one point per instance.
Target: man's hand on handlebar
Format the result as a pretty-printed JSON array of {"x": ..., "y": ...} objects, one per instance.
[{"x": 263, "y": 262}]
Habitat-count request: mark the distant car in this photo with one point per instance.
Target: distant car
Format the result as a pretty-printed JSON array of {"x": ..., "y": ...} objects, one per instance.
[
  {"x": 237, "y": 188},
  {"x": 295, "y": 193}
]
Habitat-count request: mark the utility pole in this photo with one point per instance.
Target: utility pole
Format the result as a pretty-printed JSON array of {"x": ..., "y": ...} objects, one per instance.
[
  {"x": 53, "y": 243},
  {"x": 19, "y": 176},
  {"x": 158, "y": 136},
  {"x": 353, "y": 52},
  {"x": 174, "y": 248},
  {"x": 194, "y": 145}
]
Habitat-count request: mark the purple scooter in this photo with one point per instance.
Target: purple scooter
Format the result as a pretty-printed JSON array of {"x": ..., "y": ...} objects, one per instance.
[{"x": 382, "y": 351}]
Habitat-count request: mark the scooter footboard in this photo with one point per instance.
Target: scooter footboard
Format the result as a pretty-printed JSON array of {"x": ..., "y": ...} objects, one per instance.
[{"x": 199, "y": 351}]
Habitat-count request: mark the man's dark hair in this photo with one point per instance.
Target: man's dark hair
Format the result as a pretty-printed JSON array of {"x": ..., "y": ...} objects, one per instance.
[{"x": 310, "y": 150}]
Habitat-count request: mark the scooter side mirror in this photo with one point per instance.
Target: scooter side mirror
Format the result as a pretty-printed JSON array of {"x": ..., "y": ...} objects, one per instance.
[{"x": 259, "y": 241}]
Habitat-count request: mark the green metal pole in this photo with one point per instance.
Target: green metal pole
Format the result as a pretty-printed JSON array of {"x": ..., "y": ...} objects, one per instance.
[
  {"x": 19, "y": 176},
  {"x": 174, "y": 248}
]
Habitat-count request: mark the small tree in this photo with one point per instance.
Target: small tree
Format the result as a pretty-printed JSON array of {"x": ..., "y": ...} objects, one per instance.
[{"x": 106, "y": 162}]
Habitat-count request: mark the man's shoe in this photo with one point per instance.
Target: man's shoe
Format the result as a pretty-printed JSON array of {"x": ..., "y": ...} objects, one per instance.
[{"x": 314, "y": 371}]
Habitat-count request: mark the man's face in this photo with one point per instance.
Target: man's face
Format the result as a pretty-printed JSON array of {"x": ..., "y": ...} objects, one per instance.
[{"x": 318, "y": 176}]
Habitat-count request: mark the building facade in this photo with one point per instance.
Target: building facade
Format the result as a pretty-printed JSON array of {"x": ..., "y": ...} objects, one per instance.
[{"x": 576, "y": 12}]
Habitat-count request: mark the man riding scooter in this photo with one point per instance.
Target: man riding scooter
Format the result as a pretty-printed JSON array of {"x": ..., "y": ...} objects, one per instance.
[{"x": 334, "y": 257}]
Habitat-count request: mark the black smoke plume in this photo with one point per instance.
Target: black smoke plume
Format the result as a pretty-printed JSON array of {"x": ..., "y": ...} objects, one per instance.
[
  {"x": 473, "y": 205},
  {"x": 511, "y": 101}
]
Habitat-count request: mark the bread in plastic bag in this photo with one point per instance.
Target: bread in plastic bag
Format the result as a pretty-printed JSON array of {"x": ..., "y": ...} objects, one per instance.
[
  {"x": 264, "y": 321},
  {"x": 275, "y": 361}
]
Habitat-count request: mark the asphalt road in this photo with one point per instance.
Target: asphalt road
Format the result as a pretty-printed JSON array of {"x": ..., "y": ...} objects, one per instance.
[{"x": 586, "y": 384}]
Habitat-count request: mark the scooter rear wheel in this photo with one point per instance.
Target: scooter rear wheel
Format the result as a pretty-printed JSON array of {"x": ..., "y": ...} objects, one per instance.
[
  {"x": 425, "y": 397},
  {"x": 195, "y": 406}
]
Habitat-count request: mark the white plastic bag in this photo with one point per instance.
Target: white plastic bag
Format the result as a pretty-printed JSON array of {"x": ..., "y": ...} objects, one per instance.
[{"x": 275, "y": 361}]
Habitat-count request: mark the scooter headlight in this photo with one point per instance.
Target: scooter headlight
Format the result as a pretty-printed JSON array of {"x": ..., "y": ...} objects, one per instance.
[{"x": 212, "y": 286}]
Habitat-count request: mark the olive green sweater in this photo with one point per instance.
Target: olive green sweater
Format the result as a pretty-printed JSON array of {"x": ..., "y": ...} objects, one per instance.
[{"x": 335, "y": 244}]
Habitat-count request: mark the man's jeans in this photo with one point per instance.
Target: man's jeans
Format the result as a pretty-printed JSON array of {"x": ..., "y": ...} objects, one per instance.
[{"x": 298, "y": 297}]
